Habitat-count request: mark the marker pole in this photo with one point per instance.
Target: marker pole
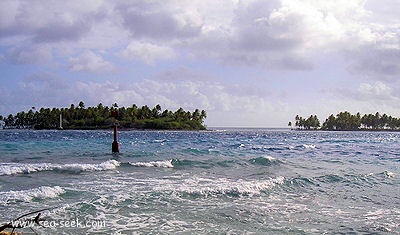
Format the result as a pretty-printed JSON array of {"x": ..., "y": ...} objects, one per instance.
[{"x": 115, "y": 144}]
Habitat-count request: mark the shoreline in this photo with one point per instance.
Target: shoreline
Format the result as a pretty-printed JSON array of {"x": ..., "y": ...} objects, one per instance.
[
  {"x": 212, "y": 129},
  {"x": 359, "y": 130},
  {"x": 100, "y": 129}
]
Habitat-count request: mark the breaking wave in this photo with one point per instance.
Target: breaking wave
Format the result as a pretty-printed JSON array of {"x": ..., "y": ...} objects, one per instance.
[
  {"x": 43, "y": 192},
  {"x": 162, "y": 164},
  {"x": 265, "y": 161},
  {"x": 184, "y": 163},
  {"x": 204, "y": 187},
  {"x": 308, "y": 146},
  {"x": 25, "y": 168}
]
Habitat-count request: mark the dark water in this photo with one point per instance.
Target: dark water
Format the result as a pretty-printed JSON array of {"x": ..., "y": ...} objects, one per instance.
[{"x": 256, "y": 181}]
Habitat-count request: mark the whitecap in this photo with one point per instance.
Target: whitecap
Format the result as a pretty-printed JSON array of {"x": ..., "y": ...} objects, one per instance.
[
  {"x": 25, "y": 168},
  {"x": 162, "y": 164},
  {"x": 108, "y": 165},
  {"x": 265, "y": 161},
  {"x": 42, "y": 192},
  {"x": 16, "y": 168},
  {"x": 223, "y": 186},
  {"x": 389, "y": 174},
  {"x": 308, "y": 146},
  {"x": 269, "y": 158}
]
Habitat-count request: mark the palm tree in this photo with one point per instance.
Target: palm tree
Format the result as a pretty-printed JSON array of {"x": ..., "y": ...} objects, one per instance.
[
  {"x": 81, "y": 105},
  {"x": 196, "y": 115},
  {"x": 203, "y": 115}
]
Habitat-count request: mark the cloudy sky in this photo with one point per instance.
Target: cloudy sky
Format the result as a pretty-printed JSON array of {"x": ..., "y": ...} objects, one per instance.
[{"x": 250, "y": 63}]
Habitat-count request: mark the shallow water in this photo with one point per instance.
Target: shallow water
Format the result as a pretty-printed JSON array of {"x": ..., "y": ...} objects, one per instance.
[{"x": 257, "y": 181}]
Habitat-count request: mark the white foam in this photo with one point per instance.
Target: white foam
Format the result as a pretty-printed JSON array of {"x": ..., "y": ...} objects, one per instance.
[
  {"x": 163, "y": 164},
  {"x": 42, "y": 192},
  {"x": 269, "y": 158},
  {"x": 389, "y": 174},
  {"x": 308, "y": 146},
  {"x": 108, "y": 165},
  {"x": 16, "y": 168},
  {"x": 23, "y": 168},
  {"x": 224, "y": 186}
]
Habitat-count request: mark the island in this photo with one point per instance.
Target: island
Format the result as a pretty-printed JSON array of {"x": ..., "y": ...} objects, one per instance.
[
  {"x": 99, "y": 117},
  {"x": 345, "y": 121}
]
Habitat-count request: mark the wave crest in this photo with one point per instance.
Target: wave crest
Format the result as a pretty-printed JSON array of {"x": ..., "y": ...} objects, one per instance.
[
  {"x": 265, "y": 161},
  {"x": 43, "y": 192},
  {"x": 308, "y": 146},
  {"x": 200, "y": 187},
  {"x": 162, "y": 164},
  {"x": 76, "y": 168},
  {"x": 23, "y": 168}
]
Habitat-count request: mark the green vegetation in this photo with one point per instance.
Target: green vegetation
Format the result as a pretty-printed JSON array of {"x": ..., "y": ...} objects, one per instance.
[
  {"x": 99, "y": 117},
  {"x": 310, "y": 123},
  {"x": 345, "y": 121}
]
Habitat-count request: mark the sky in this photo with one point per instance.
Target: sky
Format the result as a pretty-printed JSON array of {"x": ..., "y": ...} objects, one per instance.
[{"x": 250, "y": 63}]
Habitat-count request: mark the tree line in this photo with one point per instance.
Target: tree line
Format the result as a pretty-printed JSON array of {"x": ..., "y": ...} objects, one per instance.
[
  {"x": 345, "y": 121},
  {"x": 99, "y": 117}
]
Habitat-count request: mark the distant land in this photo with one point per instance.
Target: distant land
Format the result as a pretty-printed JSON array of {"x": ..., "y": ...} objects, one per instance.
[
  {"x": 345, "y": 121},
  {"x": 100, "y": 117}
]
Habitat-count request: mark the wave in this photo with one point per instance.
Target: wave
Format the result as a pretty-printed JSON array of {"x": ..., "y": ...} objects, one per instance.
[
  {"x": 331, "y": 178},
  {"x": 190, "y": 163},
  {"x": 201, "y": 187},
  {"x": 301, "y": 182},
  {"x": 43, "y": 192},
  {"x": 196, "y": 151},
  {"x": 308, "y": 146},
  {"x": 24, "y": 168},
  {"x": 178, "y": 163},
  {"x": 388, "y": 174},
  {"x": 280, "y": 148},
  {"x": 369, "y": 179},
  {"x": 265, "y": 161},
  {"x": 162, "y": 164}
]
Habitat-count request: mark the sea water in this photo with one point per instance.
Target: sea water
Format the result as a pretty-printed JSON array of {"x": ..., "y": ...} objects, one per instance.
[{"x": 236, "y": 181}]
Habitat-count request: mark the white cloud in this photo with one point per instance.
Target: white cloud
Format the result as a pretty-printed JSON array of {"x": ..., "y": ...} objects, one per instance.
[
  {"x": 29, "y": 55},
  {"x": 385, "y": 12},
  {"x": 8, "y": 13},
  {"x": 147, "y": 52},
  {"x": 377, "y": 61},
  {"x": 90, "y": 62},
  {"x": 46, "y": 21},
  {"x": 183, "y": 44},
  {"x": 147, "y": 92},
  {"x": 377, "y": 91},
  {"x": 281, "y": 34},
  {"x": 43, "y": 82},
  {"x": 365, "y": 98},
  {"x": 39, "y": 90},
  {"x": 181, "y": 73},
  {"x": 220, "y": 103},
  {"x": 162, "y": 20}
]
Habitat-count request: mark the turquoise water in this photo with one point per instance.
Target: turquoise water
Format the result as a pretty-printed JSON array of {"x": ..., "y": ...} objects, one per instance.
[{"x": 235, "y": 181}]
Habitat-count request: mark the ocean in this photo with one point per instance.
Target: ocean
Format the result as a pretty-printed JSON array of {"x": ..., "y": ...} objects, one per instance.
[{"x": 233, "y": 181}]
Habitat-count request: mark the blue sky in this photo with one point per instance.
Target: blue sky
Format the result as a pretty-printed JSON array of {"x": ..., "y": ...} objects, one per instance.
[{"x": 253, "y": 63}]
